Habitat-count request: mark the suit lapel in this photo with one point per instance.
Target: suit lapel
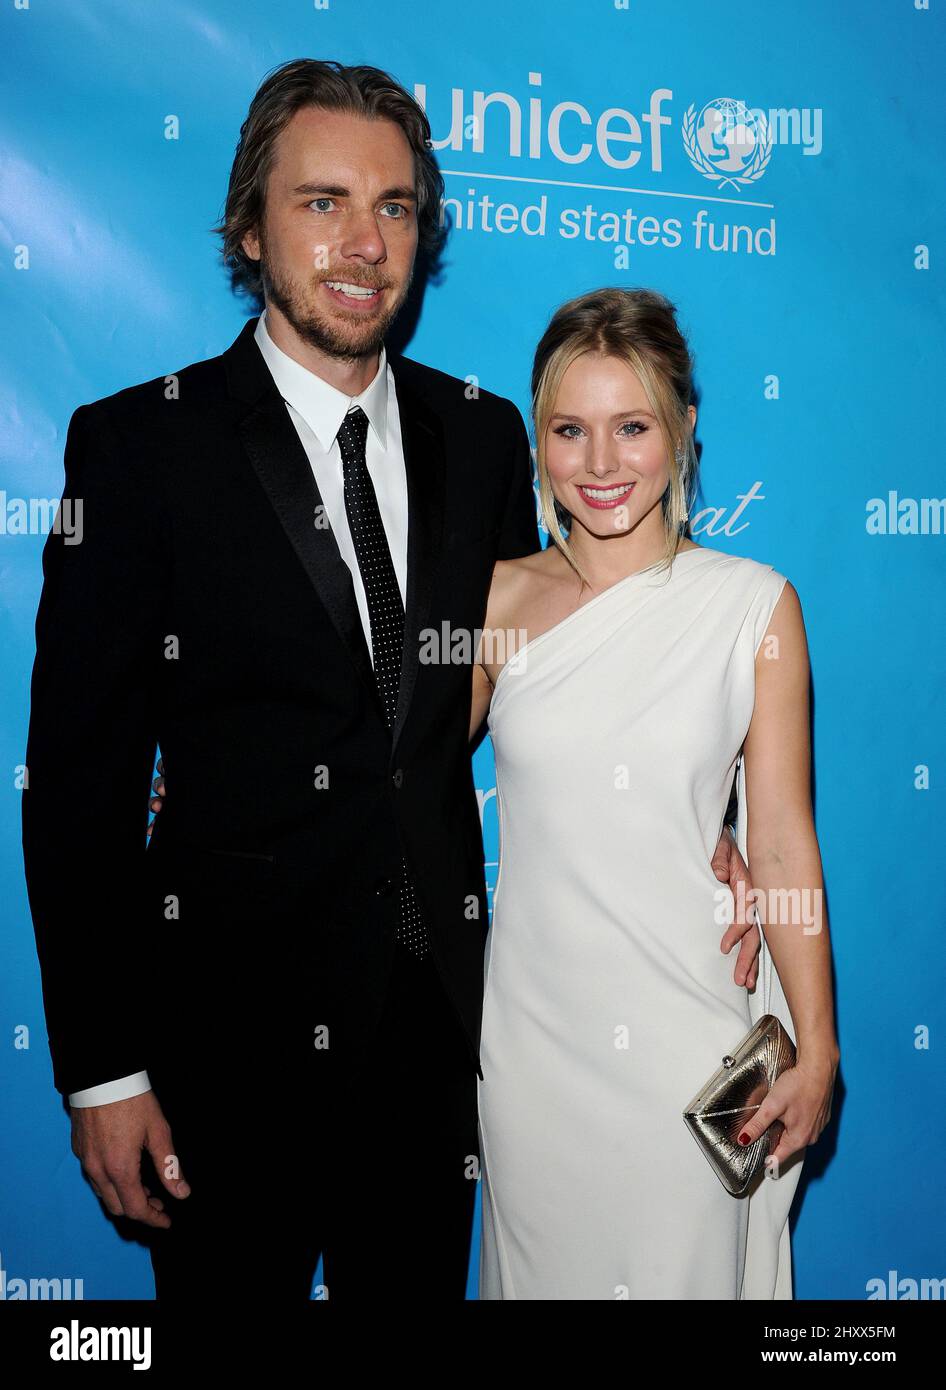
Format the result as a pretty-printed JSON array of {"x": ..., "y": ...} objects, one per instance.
[{"x": 282, "y": 466}]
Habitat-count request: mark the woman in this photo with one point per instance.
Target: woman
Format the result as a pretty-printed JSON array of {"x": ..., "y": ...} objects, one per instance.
[{"x": 649, "y": 666}]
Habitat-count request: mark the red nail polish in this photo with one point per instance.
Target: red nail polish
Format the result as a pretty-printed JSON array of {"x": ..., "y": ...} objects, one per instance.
[{"x": 744, "y": 1138}]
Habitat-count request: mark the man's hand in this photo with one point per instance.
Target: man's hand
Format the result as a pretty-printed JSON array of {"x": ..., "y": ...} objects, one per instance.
[
  {"x": 157, "y": 801},
  {"x": 108, "y": 1140},
  {"x": 730, "y": 867}
]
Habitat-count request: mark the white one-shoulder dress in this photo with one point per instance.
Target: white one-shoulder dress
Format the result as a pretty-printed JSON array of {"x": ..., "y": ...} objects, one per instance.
[{"x": 608, "y": 1002}]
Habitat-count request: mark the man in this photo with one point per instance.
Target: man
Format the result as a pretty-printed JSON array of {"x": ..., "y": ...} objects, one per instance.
[{"x": 267, "y": 1025}]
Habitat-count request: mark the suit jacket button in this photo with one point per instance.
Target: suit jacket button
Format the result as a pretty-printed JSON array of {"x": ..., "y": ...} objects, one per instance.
[{"x": 398, "y": 777}]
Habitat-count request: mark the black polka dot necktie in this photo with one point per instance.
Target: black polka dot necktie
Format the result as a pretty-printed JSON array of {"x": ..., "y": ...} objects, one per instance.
[{"x": 386, "y": 619}]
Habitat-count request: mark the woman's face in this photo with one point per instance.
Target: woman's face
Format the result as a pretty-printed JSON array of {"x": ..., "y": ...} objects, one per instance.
[{"x": 604, "y": 451}]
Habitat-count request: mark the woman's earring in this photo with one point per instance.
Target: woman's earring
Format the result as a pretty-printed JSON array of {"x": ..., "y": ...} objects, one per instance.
[{"x": 680, "y": 460}]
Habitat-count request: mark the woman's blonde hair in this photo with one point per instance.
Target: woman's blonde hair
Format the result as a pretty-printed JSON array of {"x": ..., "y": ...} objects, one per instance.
[{"x": 638, "y": 327}]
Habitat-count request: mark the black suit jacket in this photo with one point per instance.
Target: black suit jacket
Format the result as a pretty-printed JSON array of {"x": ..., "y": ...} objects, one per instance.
[{"x": 207, "y": 612}]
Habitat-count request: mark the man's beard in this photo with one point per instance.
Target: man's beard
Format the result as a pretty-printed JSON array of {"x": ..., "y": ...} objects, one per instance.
[{"x": 362, "y": 338}]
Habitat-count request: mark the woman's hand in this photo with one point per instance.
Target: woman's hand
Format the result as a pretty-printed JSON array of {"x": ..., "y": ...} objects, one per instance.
[
  {"x": 730, "y": 867},
  {"x": 157, "y": 802},
  {"x": 801, "y": 1099}
]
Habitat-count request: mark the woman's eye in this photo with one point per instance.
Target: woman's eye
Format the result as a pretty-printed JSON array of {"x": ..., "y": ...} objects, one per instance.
[{"x": 630, "y": 429}]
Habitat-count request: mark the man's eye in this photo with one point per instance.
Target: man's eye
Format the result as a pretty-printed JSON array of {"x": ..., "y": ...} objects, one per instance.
[
  {"x": 315, "y": 204},
  {"x": 398, "y": 210}
]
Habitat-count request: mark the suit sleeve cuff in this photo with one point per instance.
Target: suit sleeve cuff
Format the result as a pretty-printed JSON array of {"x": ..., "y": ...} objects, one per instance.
[{"x": 122, "y": 1089}]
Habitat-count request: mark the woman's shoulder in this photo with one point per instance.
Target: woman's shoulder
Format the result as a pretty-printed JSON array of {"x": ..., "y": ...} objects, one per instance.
[
  {"x": 520, "y": 572},
  {"x": 756, "y": 586},
  {"x": 517, "y": 581},
  {"x": 749, "y": 569}
]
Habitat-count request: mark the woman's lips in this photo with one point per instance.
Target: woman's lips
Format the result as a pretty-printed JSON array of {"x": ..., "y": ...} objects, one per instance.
[{"x": 612, "y": 496}]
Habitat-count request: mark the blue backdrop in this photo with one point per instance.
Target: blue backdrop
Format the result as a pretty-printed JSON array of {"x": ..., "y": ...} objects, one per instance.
[{"x": 777, "y": 171}]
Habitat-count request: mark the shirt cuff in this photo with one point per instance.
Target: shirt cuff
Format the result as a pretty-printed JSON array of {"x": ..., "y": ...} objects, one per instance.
[{"x": 122, "y": 1089}]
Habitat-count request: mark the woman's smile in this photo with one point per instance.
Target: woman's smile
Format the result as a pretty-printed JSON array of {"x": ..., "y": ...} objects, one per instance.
[{"x": 601, "y": 498}]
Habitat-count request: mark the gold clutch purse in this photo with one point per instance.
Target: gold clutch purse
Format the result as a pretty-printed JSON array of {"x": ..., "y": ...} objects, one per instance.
[{"x": 717, "y": 1113}]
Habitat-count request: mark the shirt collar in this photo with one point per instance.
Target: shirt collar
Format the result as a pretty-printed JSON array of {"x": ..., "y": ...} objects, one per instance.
[{"x": 321, "y": 405}]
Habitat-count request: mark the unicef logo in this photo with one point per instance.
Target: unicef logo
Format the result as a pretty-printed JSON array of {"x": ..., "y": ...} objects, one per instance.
[{"x": 727, "y": 142}]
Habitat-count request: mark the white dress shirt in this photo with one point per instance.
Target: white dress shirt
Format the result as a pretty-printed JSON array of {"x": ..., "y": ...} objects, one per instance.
[{"x": 317, "y": 410}]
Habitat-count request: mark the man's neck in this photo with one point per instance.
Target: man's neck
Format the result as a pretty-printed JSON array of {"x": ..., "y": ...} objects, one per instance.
[{"x": 350, "y": 375}]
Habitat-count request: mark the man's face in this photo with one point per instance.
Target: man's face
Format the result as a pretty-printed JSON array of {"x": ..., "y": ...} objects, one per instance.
[{"x": 339, "y": 233}]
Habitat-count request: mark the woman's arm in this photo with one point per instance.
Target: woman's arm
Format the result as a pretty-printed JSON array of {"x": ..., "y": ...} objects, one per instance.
[
  {"x": 497, "y": 602},
  {"x": 785, "y": 863},
  {"x": 482, "y": 695}
]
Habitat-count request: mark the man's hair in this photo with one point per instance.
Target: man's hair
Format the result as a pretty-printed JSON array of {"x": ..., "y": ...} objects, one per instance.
[{"x": 364, "y": 91}]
